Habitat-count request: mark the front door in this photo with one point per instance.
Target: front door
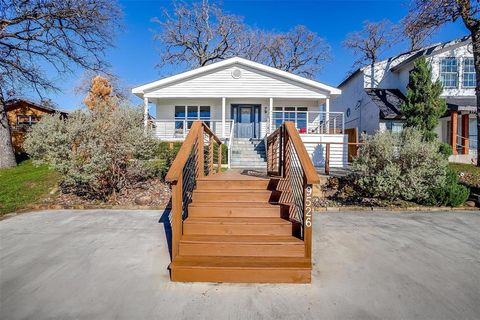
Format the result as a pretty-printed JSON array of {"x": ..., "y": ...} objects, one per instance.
[{"x": 247, "y": 120}]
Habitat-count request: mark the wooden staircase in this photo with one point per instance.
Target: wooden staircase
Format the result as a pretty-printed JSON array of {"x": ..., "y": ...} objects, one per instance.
[
  {"x": 235, "y": 233},
  {"x": 233, "y": 226}
]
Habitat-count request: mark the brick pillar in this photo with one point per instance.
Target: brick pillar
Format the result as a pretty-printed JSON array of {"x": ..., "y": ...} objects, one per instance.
[
  {"x": 453, "y": 133},
  {"x": 465, "y": 133}
]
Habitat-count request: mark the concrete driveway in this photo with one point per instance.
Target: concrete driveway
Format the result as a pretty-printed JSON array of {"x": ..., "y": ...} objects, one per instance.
[{"x": 106, "y": 264}]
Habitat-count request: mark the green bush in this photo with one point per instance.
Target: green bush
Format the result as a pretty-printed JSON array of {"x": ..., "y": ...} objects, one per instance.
[
  {"x": 399, "y": 166},
  {"x": 445, "y": 149},
  {"x": 165, "y": 153},
  {"x": 97, "y": 153},
  {"x": 451, "y": 193}
]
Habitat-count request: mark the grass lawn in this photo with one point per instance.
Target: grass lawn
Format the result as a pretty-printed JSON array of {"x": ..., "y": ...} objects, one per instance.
[
  {"x": 470, "y": 174},
  {"x": 24, "y": 185}
]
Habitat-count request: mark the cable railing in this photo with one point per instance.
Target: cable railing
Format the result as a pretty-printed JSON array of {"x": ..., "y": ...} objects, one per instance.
[
  {"x": 200, "y": 155},
  {"x": 288, "y": 159},
  {"x": 178, "y": 129},
  {"x": 311, "y": 122}
]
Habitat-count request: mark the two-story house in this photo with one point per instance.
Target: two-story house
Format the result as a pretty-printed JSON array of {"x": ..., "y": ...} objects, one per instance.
[{"x": 372, "y": 95}]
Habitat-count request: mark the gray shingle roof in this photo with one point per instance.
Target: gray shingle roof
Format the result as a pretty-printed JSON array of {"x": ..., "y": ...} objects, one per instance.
[{"x": 388, "y": 102}]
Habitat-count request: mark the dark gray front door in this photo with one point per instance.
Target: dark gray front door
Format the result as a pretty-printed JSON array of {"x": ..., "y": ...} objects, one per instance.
[{"x": 247, "y": 120}]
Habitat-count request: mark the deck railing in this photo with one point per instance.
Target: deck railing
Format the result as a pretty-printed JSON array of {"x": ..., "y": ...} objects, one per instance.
[
  {"x": 200, "y": 155},
  {"x": 288, "y": 159},
  {"x": 178, "y": 129},
  {"x": 312, "y": 122}
]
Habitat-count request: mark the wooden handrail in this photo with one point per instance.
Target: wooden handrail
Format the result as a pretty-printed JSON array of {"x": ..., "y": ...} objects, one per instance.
[
  {"x": 176, "y": 168},
  {"x": 189, "y": 164},
  {"x": 288, "y": 158},
  {"x": 309, "y": 170}
]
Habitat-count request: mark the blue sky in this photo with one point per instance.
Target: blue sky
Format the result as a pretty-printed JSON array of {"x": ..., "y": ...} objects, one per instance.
[{"x": 136, "y": 53}]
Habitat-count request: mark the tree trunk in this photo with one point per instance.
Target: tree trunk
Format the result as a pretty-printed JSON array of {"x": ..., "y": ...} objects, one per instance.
[
  {"x": 476, "y": 59},
  {"x": 7, "y": 157}
]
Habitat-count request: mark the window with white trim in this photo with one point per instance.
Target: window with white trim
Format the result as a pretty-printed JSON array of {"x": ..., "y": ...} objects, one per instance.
[
  {"x": 298, "y": 115},
  {"x": 449, "y": 72},
  {"x": 188, "y": 114},
  {"x": 469, "y": 78},
  {"x": 27, "y": 120}
]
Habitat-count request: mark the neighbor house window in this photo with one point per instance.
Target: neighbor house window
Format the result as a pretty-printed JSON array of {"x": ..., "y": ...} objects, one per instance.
[
  {"x": 26, "y": 120},
  {"x": 188, "y": 114},
  {"x": 449, "y": 72},
  {"x": 469, "y": 79},
  {"x": 394, "y": 126},
  {"x": 297, "y": 115}
]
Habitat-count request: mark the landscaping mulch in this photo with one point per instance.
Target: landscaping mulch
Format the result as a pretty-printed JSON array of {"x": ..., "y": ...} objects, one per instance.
[{"x": 152, "y": 193}]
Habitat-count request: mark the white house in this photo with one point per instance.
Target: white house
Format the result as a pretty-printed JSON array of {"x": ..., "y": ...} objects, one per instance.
[
  {"x": 241, "y": 99},
  {"x": 371, "y": 97}
]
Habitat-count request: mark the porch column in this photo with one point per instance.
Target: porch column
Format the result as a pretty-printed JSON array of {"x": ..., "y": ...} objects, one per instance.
[
  {"x": 465, "y": 133},
  {"x": 145, "y": 113},
  {"x": 453, "y": 132},
  {"x": 270, "y": 116},
  {"x": 223, "y": 117},
  {"x": 327, "y": 115}
]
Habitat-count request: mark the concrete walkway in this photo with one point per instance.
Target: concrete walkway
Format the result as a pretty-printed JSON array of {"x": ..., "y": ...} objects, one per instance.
[{"x": 105, "y": 264}]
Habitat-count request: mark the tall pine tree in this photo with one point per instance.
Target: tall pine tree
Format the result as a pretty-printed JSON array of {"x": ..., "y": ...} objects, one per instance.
[{"x": 423, "y": 106}]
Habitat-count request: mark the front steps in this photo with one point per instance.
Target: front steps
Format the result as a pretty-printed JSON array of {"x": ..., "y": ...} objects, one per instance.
[
  {"x": 235, "y": 232},
  {"x": 248, "y": 153}
]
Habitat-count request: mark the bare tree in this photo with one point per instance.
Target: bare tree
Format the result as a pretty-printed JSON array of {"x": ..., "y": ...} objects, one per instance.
[
  {"x": 430, "y": 15},
  {"x": 298, "y": 51},
  {"x": 415, "y": 36},
  {"x": 59, "y": 33},
  {"x": 202, "y": 33},
  {"x": 370, "y": 42},
  {"x": 198, "y": 34}
]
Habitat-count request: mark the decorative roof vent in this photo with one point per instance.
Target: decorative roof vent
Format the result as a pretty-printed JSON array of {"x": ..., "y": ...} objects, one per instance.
[{"x": 236, "y": 73}]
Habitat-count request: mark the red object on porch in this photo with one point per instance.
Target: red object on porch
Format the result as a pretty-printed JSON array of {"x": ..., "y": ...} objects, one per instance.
[
  {"x": 302, "y": 130},
  {"x": 454, "y": 130},
  {"x": 465, "y": 133}
]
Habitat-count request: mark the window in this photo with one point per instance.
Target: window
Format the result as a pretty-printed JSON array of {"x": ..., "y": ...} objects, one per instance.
[
  {"x": 189, "y": 114},
  {"x": 449, "y": 72},
  {"x": 469, "y": 79},
  {"x": 394, "y": 126},
  {"x": 27, "y": 120},
  {"x": 298, "y": 115}
]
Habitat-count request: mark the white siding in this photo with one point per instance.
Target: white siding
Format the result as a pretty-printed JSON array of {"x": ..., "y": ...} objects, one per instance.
[
  {"x": 316, "y": 150},
  {"x": 252, "y": 83}
]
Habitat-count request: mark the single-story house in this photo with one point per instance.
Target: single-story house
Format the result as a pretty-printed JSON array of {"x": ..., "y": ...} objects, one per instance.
[
  {"x": 241, "y": 99},
  {"x": 22, "y": 114}
]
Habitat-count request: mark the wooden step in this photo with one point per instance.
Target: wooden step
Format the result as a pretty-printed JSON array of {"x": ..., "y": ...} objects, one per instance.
[
  {"x": 241, "y": 269},
  {"x": 231, "y": 245},
  {"x": 258, "y": 184},
  {"x": 231, "y": 195},
  {"x": 233, "y": 209},
  {"x": 237, "y": 226}
]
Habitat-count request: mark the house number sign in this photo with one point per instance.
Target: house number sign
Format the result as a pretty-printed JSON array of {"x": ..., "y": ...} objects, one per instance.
[{"x": 308, "y": 207}]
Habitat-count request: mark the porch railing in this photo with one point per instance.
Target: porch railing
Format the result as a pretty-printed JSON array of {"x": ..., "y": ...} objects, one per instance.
[
  {"x": 288, "y": 159},
  {"x": 178, "y": 129},
  {"x": 200, "y": 155},
  {"x": 311, "y": 122}
]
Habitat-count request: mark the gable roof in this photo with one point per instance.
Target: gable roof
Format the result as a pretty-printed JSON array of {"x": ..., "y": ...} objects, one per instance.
[
  {"x": 12, "y": 103},
  {"x": 139, "y": 91},
  {"x": 429, "y": 51},
  {"x": 411, "y": 56},
  {"x": 388, "y": 101}
]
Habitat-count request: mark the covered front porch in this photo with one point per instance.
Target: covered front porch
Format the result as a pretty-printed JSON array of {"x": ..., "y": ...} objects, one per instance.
[
  {"x": 459, "y": 129},
  {"x": 232, "y": 118}
]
